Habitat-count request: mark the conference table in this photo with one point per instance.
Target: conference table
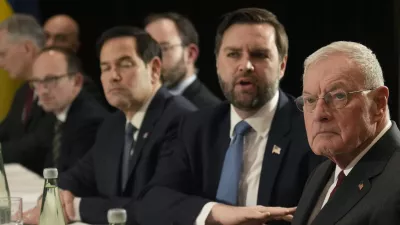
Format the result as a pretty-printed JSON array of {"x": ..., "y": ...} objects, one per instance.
[{"x": 25, "y": 184}]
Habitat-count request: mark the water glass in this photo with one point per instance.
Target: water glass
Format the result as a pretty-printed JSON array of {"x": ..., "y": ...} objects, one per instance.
[{"x": 11, "y": 211}]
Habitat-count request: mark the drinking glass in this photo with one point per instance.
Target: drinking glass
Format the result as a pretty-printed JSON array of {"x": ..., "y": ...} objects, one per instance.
[{"x": 11, "y": 211}]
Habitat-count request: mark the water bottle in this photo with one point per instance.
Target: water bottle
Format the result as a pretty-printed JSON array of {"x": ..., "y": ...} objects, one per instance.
[
  {"x": 52, "y": 212},
  {"x": 116, "y": 216}
]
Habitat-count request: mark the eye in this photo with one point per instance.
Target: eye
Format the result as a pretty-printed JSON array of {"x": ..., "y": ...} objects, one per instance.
[
  {"x": 260, "y": 55},
  {"x": 126, "y": 64},
  {"x": 339, "y": 95},
  {"x": 233, "y": 54},
  {"x": 309, "y": 100}
]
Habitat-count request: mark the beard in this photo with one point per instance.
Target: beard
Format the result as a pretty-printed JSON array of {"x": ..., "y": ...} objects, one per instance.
[
  {"x": 173, "y": 76},
  {"x": 246, "y": 100}
]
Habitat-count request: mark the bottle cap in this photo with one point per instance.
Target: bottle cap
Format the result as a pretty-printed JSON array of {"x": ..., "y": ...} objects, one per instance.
[
  {"x": 116, "y": 216},
  {"x": 50, "y": 173}
]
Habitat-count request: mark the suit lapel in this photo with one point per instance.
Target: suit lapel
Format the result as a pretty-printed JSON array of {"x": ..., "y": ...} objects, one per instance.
[
  {"x": 275, "y": 149},
  {"x": 313, "y": 191},
  {"x": 219, "y": 143},
  {"x": 153, "y": 113},
  {"x": 113, "y": 153},
  {"x": 358, "y": 182}
]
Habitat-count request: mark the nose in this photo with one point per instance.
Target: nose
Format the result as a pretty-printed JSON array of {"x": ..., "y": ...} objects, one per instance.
[
  {"x": 49, "y": 42},
  {"x": 321, "y": 111},
  {"x": 246, "y": 66}
]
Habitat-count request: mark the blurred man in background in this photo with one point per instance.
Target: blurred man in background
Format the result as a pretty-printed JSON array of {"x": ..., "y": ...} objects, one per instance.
[
  {"x": 179, "y": 43},
  {"x": 62, "y": 31},
  {"x": 25, "y": 132},
  {"x": 57, "y": 80}
]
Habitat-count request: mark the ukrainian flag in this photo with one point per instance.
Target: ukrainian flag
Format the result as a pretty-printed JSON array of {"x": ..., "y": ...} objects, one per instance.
[{"x": 8, "y": 87}]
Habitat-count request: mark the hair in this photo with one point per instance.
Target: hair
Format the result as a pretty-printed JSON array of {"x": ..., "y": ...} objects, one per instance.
[
  {"x": 74, "y": 64},
  {"x": 254, "y": 16},
  {"x": 24, "y": 27},
  {"x": 185, "y": 27},
  {"x": 146, "y": 47},
  {"x": 364, "y": 58}
]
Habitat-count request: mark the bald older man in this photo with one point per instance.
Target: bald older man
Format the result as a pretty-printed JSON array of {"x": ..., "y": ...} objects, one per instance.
[{"x": 62, "y": 31}]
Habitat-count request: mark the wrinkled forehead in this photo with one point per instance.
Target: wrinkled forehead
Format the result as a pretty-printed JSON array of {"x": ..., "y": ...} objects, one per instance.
[{"x": 330, "y": 73}]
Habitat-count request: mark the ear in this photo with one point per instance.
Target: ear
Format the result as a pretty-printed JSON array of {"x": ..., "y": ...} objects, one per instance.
[
  {"x": 380, "y": 100},
  {"x": 155, "y": 69},
  {"x": 79, "y": 79},
  {"x": 192, "y": 53},
  {"x": 283, "y": 67}
]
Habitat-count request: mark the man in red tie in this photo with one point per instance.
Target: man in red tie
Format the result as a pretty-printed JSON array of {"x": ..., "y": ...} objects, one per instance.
[
  {"x": 345, "y": 105},
  {"x": 25, "y": 132}
]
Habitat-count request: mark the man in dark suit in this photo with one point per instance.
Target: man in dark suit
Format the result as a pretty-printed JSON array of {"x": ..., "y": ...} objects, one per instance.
[
  {"x": 207, "y": 170},
  {"x": 179, "y": 42},
  {"x": 347, "y": 120},
  {"x": 25, "y": 132},
  {"x": 124, "y": 156},
  {"x": 58, "y": 83}
]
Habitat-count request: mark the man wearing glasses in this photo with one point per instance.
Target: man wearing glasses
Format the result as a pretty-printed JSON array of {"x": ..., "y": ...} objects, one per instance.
[
  {"x": 347, "y": 120},
  {"x": 57, "y": 81},
  {"x": 178, "y": 40}
]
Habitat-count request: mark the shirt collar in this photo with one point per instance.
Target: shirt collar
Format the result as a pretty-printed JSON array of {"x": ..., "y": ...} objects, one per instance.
[
  {"x": 62, "y": 116},
  {"x": 261, "y": 120},
  {"x": 358, "y": 158},
  {"x": 138, "y": 118},
  {"x": 181, "y": 86}
]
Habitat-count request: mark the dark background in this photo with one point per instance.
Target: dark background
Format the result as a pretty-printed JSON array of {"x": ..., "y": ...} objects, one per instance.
[{"x": 309, "y": 24}]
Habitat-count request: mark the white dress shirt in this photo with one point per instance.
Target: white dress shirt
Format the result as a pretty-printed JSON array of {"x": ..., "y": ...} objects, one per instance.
[
  {"x": 324, "y": 197},
  {"x": 181, "y": 87},
  {"x": 136, "y": 121},
  {"x": 62, "y": 116},
  {"x": 255, "y": 142}
]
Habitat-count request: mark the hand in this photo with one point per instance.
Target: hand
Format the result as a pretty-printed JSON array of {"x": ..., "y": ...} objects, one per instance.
[
  {"x": 31, "y": 216},
  {"x": 230, "y": 215},
  {"x": 67, "y": 199}
]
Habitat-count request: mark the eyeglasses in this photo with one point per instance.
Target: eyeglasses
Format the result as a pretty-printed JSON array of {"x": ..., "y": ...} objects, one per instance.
[
  {"x": 166, "y": 47},
  {"x": 334, "y": 99},
  {"x": 50, "y": 81}
]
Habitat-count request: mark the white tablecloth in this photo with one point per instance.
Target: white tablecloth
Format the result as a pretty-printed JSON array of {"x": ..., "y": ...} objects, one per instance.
[{"x": 26, "y": 184}]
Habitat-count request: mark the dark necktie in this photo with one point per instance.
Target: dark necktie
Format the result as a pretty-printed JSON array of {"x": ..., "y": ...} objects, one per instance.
[
  {"x": 230, "y": 177},
  {"x": 340, "y": 179},
  {"x": 27, "y": 105},
  {"x": 57, "y": 141},
  {"x": 128, "y": 153}
]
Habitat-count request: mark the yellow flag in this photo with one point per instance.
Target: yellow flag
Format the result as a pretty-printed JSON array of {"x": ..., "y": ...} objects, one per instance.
[{"x": 7, "y": 85}]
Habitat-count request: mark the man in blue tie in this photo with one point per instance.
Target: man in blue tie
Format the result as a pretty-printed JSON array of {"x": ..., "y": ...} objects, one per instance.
[{"x": 231, "y": 163}]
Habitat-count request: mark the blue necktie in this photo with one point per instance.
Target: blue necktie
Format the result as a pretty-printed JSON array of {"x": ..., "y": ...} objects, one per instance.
[
  {"x": 229, "y": 182},
  {"x": 129, "y": 144}
]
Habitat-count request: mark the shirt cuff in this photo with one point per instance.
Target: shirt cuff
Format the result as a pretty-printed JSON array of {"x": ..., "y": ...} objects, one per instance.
[
  {"x": 202, "y": 217},
  {"x": 77, "y": 202}
]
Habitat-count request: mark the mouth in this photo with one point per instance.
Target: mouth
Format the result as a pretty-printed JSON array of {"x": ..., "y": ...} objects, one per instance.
[{"x": 245, "y": 83}]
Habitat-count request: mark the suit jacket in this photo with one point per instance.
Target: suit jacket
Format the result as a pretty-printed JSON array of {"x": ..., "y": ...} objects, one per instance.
[
  {"x": 26, "y": 143},
  {"x": 200, "y": 95},
  {"x": 189, "y": 168},
  {"x": 370, "y": 193},
  {"x": 85, "y": 115},
  {"x": 96, "y": 178}
]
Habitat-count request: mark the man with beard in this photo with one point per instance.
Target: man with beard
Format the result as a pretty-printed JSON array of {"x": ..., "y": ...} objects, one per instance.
[
  {"x": 179, "y": 42},
  {"x": 243, "y": 156}
]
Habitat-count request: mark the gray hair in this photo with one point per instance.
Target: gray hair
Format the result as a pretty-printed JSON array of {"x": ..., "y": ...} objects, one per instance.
[
  {"x": 359, "y": 54},
  {"x": 24, "y": 27}
]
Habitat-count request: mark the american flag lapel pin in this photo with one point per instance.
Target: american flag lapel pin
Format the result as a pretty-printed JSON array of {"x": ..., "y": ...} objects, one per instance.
[
  {"x": 361, "y": 186},
  {"x": 276, "y": 150}
]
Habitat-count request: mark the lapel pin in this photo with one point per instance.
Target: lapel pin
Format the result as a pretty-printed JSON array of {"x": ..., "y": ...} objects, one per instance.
[
  {"x": 361, "y": 186},
  {"x": 276, "y": 150},
  {"x": 145, "y": 135}
]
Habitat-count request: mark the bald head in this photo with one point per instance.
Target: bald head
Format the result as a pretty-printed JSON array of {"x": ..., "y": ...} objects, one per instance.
[{"x": 62, "y": 31}]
